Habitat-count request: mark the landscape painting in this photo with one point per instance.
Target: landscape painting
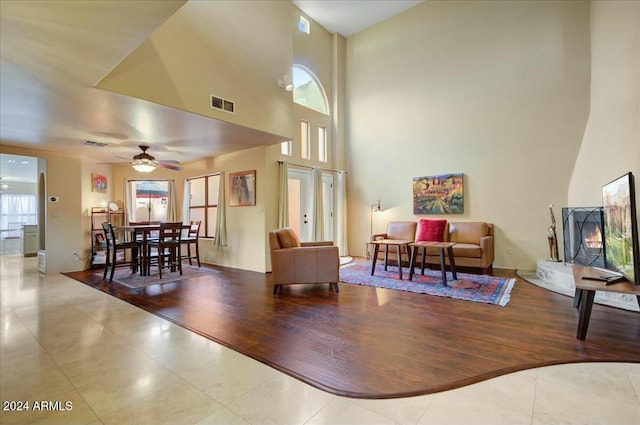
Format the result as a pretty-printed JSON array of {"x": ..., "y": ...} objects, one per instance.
[{"x": 443, "y": 194}]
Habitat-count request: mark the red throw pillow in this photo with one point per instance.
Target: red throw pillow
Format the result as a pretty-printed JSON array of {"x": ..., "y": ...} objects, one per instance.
[{"x": 431, "y": 230}]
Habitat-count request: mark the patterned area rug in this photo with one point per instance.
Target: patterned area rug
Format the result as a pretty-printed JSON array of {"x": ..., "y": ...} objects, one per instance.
[
  {"x": 124, "y": 276},
  {"x": 469, "y": 287}
]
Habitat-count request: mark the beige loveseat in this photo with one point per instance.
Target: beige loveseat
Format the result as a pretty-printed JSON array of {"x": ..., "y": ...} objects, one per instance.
[{"x": 474, "y": 243}]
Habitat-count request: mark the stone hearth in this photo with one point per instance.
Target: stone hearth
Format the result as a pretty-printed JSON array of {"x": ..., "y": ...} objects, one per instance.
[{"x": 558, "y": 277}]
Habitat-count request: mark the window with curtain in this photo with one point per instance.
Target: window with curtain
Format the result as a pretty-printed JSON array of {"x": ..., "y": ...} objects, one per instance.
[
  {"x": 150, "y": 200},
  {"x": 16, "y": 210},
  {"x": 203, "y": 202}
]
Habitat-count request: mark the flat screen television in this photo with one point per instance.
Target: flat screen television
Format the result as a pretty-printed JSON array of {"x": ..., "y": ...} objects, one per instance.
[{"x": 620, "y": 227}]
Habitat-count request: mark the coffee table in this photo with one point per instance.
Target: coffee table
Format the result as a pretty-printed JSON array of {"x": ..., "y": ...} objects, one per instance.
[
  {"x": 442, "y": 246},
  {"x": 398, "y": 243}
]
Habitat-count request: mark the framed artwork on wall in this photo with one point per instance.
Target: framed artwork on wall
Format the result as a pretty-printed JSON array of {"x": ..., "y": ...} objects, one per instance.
[
  {"x": 98, "y": 183},
  {"x": 242, "y": 188},
  {"x": 442, "y": 194}
]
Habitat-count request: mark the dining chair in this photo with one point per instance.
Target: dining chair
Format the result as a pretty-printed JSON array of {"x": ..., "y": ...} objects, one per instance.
[
  {"x": 113, "y": 246},
  {"x": 139, "y": 236},
  {"x": 167, "y": 245},
  {"x": 192, "y": 238}
]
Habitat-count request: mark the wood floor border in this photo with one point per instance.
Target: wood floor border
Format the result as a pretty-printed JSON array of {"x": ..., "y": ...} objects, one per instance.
[{"x": 373, "y": 343}]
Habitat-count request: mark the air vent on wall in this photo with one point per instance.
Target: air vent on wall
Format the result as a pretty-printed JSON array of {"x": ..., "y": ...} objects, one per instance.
[{"x": 223, "y": 104}]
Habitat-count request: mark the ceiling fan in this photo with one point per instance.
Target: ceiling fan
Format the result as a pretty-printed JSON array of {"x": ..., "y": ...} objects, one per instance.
[{"x": 145, "y": 163}]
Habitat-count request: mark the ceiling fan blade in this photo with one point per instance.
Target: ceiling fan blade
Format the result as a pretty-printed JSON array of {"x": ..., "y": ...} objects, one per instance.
[
  {"x": 169, "y": 166},
  {"x": 168, "y": 161}
]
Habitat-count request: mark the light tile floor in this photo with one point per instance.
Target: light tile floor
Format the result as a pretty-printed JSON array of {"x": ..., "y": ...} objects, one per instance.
[{"x": 107, "y": 362}]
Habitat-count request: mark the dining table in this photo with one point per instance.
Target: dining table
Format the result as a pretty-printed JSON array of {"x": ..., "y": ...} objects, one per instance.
[{"x": 141, "y": 233}]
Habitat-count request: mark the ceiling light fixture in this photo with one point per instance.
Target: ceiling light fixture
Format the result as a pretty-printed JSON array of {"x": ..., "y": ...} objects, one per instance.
[
  {"x": 143, "y": 162},
  {"x": 143, "y": 165},
  {"x": 286, "y": 82}
]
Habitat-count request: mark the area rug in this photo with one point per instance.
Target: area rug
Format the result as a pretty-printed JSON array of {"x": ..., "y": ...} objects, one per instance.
[
  {"x": 470, "y": 287},
  {"x": 124, "y": 276}
]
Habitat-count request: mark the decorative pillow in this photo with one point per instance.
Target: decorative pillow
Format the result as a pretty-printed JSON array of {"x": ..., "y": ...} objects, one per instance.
[
  {"x": 288, "y": 238},
  {"x": 431, "y": 230}
]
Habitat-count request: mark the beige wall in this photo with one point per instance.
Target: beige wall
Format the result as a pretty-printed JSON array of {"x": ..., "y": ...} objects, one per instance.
[
  {"x": 246, "y": 229},
  {"x": 496, "y": 90},
  {"x": 611, "y": 144},
  {"x": 239, "y": 58}
]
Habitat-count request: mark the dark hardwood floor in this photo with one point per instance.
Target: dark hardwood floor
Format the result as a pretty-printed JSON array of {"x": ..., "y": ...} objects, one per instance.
[{"x": 376, "y": 343}]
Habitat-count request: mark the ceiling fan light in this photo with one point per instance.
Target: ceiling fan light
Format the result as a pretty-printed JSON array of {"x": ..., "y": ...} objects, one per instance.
[{"x": 143, "y": 166}]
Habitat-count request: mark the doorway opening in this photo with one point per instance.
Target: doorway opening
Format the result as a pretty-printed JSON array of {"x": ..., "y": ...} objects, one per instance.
[{"x": 21, "y": 207}]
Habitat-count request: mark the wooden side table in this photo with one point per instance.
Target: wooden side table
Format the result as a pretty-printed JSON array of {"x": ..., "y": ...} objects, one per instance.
[
  {"x": 398, "y": 243},
  {"x": 587, "y": 291},
  {"x": 442, "y": 246}
]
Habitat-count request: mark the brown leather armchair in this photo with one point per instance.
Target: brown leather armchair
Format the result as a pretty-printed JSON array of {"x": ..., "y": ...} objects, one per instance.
[{"x": 294, "y": 262}]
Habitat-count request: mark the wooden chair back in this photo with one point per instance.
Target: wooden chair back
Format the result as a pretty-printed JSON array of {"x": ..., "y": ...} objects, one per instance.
[
  {"x": 194, "y": 229},
  {"x": 109, "y": 234},
  {"x": 171, "y": 231}
]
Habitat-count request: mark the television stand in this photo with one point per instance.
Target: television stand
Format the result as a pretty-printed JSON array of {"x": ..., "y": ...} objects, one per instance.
[
  {"x": 606, "y": 279},
  {"x": 588, "y": 281}
]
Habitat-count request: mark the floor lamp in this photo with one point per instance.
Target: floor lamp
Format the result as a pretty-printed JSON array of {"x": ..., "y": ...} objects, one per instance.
[{"x": 375, "y": 208}]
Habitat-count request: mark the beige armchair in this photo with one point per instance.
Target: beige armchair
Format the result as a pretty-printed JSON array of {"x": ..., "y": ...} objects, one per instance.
[{"x": 294, "y": 262}]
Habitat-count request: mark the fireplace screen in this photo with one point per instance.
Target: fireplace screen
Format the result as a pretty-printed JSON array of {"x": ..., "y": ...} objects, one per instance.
[{"x": 582, "y": 232}]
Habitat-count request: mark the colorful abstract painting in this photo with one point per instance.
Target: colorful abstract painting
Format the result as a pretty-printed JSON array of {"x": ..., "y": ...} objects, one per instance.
[
  {"x": 443, "y": 194},
  {"x": 98, "y": 183}
]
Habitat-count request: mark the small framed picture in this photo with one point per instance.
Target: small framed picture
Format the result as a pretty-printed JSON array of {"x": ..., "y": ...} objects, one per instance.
[
  {"x": 242, "y": 188},
  {"x": 98, "y": 183}
]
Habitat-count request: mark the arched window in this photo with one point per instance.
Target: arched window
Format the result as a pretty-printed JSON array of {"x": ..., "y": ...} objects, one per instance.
[{"x": 308, "y": 90}]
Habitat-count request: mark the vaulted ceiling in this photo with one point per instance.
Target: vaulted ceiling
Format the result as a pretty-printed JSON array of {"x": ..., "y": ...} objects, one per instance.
[{"x": 112, "y": 72}]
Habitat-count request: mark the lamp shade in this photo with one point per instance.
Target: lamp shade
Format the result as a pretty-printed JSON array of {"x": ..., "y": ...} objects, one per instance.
[{"x": 143, "y": 166}]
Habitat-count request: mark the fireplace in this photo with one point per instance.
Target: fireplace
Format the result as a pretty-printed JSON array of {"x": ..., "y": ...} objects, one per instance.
[{"x": 583, "y": 236}]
